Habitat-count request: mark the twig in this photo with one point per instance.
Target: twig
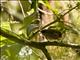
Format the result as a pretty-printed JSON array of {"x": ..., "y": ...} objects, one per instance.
[
  {"x": 58, "y": 18},
  {"x": 46, "y": 53},
  {"x": 70, "y": 10},
  {"x": 39, "y": 45},
  {"x": 12, "y": 36},
  {"x": 30, "y": 37},
  {"x": 22, "y": 8}
]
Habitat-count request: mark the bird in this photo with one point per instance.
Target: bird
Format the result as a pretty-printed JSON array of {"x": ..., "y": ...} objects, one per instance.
[{"x": 51, "y": 34}]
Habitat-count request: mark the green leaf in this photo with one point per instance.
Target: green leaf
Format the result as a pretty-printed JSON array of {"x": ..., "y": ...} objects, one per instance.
[
  {"x": 4, "y": 41},
  {"x": 29, "y": 19},
  {"x": 15, "y": 27},
  {"x": 11, "y": 35}
]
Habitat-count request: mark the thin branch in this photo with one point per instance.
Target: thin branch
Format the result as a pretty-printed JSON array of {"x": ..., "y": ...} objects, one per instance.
[
  {"x": 39, "y": 45},
  {"x": 30, "y": 37},
  {"x": 46, "y": 53},
  {"x": 18, "y": 39},
  {"x": 58, "y": 18},
  {"x": 55, "y": 43},
  {"x": 70, "y": 10},
  {"x": 12, "y": 36},
  {"x": 22, "y": 8}
]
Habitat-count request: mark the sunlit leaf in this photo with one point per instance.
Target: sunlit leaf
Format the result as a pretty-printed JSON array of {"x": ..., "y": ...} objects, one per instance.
[{"x": 30, "y": 18}]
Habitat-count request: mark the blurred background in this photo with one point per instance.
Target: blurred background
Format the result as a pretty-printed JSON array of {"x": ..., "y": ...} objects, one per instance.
[{"x": 24, "y": 17}]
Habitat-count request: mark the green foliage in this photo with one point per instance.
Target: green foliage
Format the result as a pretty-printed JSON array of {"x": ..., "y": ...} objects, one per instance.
[
  {"x": 28, "y": 20},
  {"x": 10, "y": 51},
  {"x": 34, "y": 4},
  {"x": 23, "y": 19}
]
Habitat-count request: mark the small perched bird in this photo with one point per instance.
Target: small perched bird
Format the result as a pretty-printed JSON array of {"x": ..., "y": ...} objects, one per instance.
[{"x": 51, "y": 34}]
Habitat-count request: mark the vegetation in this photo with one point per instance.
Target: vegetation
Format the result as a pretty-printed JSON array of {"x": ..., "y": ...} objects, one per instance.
[{"x": 39, "y": 30}]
